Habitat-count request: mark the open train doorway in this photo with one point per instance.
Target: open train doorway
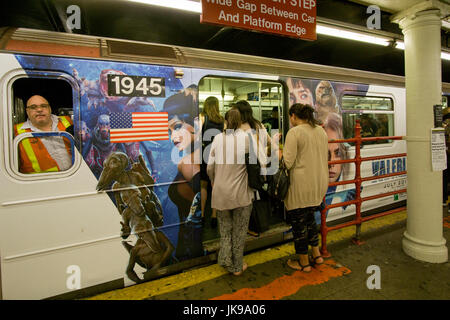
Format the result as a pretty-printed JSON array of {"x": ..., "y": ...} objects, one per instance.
[{"x": 266, "y": 99}]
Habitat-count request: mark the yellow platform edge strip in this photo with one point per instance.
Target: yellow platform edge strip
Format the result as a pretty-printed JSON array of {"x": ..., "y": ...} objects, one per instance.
[{"x": 196, "y": 276}]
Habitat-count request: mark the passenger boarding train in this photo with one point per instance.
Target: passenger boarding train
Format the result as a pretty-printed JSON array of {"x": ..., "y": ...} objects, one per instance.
[{"x": 128, "y": 208}]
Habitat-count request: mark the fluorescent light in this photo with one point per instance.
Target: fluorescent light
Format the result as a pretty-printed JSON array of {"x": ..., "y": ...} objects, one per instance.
[
  {"x": 446, "y": 24},
  {"x": 400, "y": 45},
  {"x": 340, "y": 33},
  {"x": 226, "y": 97},
  {"x": 186, "y": 5},
  {"x": 273, "y": 90},
  {"x": 445, "y": 55}
]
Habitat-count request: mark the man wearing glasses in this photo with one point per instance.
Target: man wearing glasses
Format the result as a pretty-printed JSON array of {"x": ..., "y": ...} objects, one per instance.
[{"x": 43, "y": 154}]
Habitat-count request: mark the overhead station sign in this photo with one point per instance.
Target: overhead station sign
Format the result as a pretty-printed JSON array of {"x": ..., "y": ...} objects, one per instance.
[{"x": 293, "y": 18}]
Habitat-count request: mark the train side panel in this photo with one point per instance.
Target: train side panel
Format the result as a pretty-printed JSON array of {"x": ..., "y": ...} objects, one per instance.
[
  {"x": 385, "y": 166},
  {"x": 47, "y": 225},
  {"x": 381, "y": 110}
]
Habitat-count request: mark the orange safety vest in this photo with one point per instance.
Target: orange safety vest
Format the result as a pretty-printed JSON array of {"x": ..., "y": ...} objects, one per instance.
[{"x": 33, "y": 156}]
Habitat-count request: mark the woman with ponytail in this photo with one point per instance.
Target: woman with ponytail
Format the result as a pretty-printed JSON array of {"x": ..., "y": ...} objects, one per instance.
[
  {"x": 305, "y": 154},
  {"x": 249, "y": 122}
]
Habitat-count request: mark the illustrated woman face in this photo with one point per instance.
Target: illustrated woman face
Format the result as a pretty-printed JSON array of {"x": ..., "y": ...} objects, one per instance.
[
  {"x": 334, "y": 170},
  {"x": 299, "y": 93},
  {"x": 181, "y": 133}
]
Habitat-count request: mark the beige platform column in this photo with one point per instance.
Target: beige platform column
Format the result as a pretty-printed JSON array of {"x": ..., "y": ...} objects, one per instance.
[{"x": 423, "y": 238}]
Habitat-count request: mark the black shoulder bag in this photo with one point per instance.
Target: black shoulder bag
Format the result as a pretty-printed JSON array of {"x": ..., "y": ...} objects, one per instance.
[
  {"x": 203, "y": 130},
  {"x": 279, "y": 182},
  {"x": 255, "y": 179}
]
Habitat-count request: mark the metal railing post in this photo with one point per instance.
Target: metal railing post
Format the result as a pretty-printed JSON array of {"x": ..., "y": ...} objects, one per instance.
[{"x": 324, "y": 230}]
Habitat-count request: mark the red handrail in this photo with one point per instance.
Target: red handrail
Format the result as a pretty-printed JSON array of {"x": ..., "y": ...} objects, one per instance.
[{"x": 358, "y": 181}]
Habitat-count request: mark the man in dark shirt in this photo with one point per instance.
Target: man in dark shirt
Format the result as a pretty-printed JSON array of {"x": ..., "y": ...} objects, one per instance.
[{"x": 272, "y": 121}]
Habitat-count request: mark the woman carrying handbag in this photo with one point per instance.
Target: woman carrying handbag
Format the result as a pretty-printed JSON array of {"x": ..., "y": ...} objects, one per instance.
[
  {"x": 231, "y": 194},
  {"x": 305, "y": 155}
]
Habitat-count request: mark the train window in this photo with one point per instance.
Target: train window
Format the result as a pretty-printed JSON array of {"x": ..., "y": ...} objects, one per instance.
[
  {"x": 58, "y": 93},
  {"x": 376, "y": 116},
  {"x": 265, "y": 97},
  {"x": 366, "y": 103},
  {"x": 42, "y": 126}
]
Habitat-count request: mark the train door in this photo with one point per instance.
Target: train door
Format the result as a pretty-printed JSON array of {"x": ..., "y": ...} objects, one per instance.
[{"x": 266, "y": 98}]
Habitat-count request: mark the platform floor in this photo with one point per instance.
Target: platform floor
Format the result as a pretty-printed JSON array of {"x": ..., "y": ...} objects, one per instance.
[{"x": 344, "y": 275}]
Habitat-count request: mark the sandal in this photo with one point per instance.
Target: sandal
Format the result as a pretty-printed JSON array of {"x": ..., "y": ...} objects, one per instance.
[
  {"x": 244, "y": 267},
  {"x": 291, "y": 264},
  {"x": 253, "y": 233},
  {"x": 313, "y": 260}
]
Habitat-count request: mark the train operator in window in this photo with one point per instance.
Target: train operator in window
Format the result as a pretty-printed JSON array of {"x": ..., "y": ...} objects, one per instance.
[{"x": 43, "y": 154}]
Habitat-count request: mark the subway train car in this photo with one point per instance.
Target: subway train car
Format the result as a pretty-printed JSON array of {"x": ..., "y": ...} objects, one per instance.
[{"x": 127, "y": 209}]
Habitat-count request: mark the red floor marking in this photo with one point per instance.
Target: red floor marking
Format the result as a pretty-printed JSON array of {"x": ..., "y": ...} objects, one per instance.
[{"x": 290, "y": 284}]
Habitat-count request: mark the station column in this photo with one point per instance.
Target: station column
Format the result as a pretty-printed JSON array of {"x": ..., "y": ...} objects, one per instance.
[{"x": 423, "y": 238}]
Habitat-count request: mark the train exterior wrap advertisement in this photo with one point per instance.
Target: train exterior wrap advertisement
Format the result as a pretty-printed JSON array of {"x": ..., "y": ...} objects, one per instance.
[
  {"x": 135, "y": 125},
  {"x": 292, "y": 18},
  {"x": 326, "y": 97}
]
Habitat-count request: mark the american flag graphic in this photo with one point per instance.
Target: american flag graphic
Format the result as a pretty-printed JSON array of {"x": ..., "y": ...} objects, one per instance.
[{"x": 138, "y": 126}]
